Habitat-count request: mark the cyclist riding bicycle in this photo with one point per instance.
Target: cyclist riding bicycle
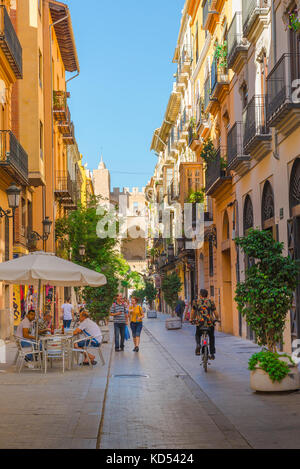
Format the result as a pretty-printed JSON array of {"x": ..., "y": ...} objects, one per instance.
[{"x": 204, "y": 313}]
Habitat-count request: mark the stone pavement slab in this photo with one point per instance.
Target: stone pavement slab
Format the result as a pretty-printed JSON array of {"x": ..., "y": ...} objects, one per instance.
[
  {"x": 264, "y": 420},
  {"x": 53, "y": 411},
  {"x": 150, "y": 405}
]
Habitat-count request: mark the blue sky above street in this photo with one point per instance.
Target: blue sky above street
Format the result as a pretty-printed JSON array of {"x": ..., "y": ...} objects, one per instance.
[{"x": 125, "y": 51}]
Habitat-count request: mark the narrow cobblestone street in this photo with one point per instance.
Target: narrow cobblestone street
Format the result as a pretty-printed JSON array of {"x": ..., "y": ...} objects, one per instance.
[{"x": 159, "y": 398}]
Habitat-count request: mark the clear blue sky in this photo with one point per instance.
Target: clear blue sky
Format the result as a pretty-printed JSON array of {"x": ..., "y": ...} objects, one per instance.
[{"x": 125, "y": 50}]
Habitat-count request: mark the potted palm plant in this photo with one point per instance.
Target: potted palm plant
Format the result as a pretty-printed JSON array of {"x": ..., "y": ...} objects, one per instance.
[
  {"x": 171, "y": 286},
  {"x": 264, "y": 298}
]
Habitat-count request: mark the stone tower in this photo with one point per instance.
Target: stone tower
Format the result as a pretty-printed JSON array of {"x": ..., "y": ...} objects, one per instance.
[{"x": 101, "y": 178}]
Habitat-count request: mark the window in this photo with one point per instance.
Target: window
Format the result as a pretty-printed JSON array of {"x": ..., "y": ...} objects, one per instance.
[
  {"x": 197, "y": 42},
  {"x": 41, "y": 140},
  {"x": 41, "y": 69},
  {"x": 29, "y": 215},
  {"x": 23, "y": 216},
  {"x": 244, "y": 94}
]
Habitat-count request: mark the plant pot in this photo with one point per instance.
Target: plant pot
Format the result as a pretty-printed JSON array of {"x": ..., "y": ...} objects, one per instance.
[
  {"x": 152, "y": 315},
  {"x": 260, "y": 381},
  {"x": 173, "y": 324}
]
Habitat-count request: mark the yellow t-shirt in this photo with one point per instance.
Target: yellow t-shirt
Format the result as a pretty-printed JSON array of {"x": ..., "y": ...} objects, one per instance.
[{"x": 136, "y": 313}]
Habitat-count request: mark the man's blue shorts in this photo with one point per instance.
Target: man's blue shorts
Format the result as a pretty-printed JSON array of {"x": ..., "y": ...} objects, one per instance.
[{"x": 88, "y": 343}]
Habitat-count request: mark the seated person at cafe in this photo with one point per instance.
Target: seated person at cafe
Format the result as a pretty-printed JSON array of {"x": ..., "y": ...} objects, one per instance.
[
  {"x": 44, "y": 324},
  {"x": 89, "y": 328},
  {"x": 24, "y": 330}
]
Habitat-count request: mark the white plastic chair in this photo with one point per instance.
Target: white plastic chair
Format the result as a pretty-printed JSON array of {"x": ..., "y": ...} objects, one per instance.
[
  {"x": 88, "y": 340},
  {"x": 23, "y": 352},
  {"x": 55, "y": 350}
]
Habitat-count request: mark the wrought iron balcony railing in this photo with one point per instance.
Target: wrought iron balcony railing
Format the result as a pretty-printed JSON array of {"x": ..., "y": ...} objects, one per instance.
[
  {"x": 251, "y": 10},
  {"x": 185, "y": 60},
  {"x": 235, "y": 146},
  {"x": 207, "y": 91},
  {"x": 10, "y": 43},
  {"x": 280, "y": 88},
  {"x": 69, "y": 138},
  {"x": 60, "y": 108},
  {"x": 236, "y": 42},
  {"x": 219, "y": 78},
  {"x": 216, "y": 171},
  {"x": 13, "y": 157},
  {"x": 63, "y": 185},
  {"x": 255, "y": 120}
]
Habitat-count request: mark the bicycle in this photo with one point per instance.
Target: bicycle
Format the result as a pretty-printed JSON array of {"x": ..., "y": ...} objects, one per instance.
[{"x": 204, "y": 346}]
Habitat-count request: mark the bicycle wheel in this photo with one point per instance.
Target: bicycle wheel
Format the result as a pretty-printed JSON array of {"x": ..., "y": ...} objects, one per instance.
[{"x": 205, "y": 359}]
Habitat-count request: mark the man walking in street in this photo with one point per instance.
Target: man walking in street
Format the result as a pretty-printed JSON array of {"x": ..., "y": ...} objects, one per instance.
[
  {"x": 180, "y": 307},
  {"x": 120, "y": 314},
  {"x": 68, "y": 313}
]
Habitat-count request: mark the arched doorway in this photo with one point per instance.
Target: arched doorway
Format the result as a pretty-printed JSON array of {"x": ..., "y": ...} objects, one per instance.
[
  {"x": 248, "y": 223},
  {"x": 294, "y": 242},
  {"x": 227, "y": 318}
]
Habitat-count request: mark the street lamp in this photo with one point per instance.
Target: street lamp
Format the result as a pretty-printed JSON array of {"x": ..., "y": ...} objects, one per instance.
[
  {"x": 34, "y": 236},
  {"x": 47, "y": 225},
  {"x": 13, "y": 196}
]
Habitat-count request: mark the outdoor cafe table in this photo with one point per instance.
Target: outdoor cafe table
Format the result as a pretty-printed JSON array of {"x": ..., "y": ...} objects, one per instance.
[{"x": 67, "y": 344}]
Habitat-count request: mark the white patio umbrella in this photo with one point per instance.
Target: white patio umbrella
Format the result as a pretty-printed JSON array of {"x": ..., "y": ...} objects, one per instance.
[{"x": 41, "y": 268}]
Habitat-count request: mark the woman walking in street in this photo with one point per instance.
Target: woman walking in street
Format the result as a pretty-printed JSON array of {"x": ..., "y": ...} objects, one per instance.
[{"x": 136, "y": 315}]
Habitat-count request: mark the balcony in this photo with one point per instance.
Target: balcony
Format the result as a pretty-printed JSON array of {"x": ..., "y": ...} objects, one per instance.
[
  {"x": 209, "y": 12},
  {"x": 173, "y": 143},
  {"x": 219, "y": 82},
  {"x": 216, "y": 174},
  {"x": 194, "y": 143},
  {"x": 202, "y": 118},
  {"x": 10, "y": 43},
  {"x": 173, "y": 192},
  {"x": 13, "y": 157},
  {"x": 69, "y": 137},
  {"x": 237, "y": 159},
  {"x": 282, "y": 109},
  {"x": 71, "y": 203},
  {"x": 63, "y": 185},
  {"x": 60, "y": 108},
  {"x": 238, "y": 46},
  {"x": 255, "y": 17},
  {"x": 184, "y": 65},
  {"x": 257, "y": 135}
]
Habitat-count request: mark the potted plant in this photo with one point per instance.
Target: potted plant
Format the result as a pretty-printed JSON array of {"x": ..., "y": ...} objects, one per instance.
[
  {"x": 223, "y": 165},
  {"x": 171, "y": 286},
  {"x": 208, "y": 153},
  {"x": 196, "y": 197},
  {"x": 293, "y": 21},
  {"x": 264, "y": 299},
  {"x": 150, "y": 293},
  {"x": 221, "y": 52}
]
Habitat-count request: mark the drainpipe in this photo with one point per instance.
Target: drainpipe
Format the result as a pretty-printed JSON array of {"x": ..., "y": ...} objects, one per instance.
[
  {"x": 52, "y": 106},
  {"x": 274, "y": 42},
  {"x": 72, "y": 78}
]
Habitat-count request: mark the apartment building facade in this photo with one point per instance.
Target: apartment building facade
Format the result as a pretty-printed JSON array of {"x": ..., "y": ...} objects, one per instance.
[{"x": 243, "y": 132}]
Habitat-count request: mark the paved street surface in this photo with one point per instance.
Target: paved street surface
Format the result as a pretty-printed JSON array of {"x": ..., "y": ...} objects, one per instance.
[
  {"x": 52, "y": 411},
  {"x": 159, "y": 398}
]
